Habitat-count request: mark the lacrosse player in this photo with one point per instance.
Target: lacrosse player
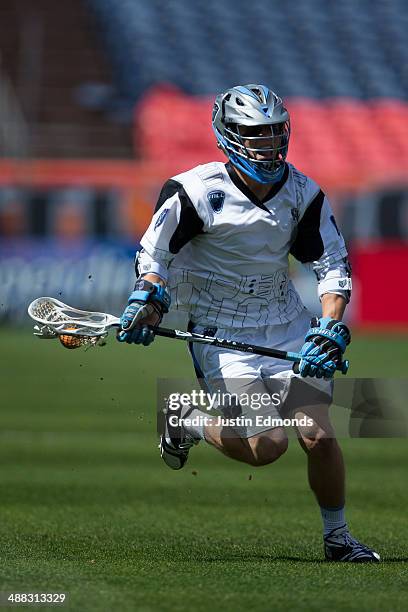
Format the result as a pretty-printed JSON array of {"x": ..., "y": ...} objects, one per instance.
[{"x": 218, "y": 247}]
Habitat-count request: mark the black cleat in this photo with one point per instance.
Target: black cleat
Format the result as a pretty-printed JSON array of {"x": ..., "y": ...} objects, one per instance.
[
  {"x": 175, "y": 442},
  {"x": 339, "y": 545}
]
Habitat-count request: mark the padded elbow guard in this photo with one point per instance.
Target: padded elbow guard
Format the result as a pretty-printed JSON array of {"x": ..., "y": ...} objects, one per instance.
[{"x": 336, "y": 281}]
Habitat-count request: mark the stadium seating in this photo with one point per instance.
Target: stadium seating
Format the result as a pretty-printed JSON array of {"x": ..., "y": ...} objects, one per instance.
[
  {"x": 341, "y": 67},
  {"x": 310, "y": 48},
  {"x": 341, "y": 143}
]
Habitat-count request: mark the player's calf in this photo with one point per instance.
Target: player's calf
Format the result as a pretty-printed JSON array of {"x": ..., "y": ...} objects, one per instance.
[
  {"x": 257, "y": 450},
  {"x": 266, "y": 448}
]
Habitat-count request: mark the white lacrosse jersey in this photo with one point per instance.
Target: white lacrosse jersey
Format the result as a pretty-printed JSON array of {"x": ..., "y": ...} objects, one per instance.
[{"x": 224, "y": 253}]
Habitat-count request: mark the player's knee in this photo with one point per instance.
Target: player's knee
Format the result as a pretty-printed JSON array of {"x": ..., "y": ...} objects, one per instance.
[
  {"x": 322, "y": 443},
  {"x": 266, "y": 450}
]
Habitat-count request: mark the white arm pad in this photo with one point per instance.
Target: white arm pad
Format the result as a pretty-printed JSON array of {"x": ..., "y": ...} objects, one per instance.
[
  {"x": 145, "y": 264},
  {"x": 335, "y": 281}
]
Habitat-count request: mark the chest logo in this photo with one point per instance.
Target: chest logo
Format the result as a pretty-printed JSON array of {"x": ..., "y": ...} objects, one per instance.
[{"x": 216, "y": 200}]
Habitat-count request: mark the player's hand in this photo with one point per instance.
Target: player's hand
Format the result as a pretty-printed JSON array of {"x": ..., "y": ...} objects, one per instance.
[
  {"x": 325, "y": 344},
  {"x": 145, "y": 309}
]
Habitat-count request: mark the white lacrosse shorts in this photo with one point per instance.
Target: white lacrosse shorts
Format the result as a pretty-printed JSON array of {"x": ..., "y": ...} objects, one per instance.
[{"x": 242, "y": 381}]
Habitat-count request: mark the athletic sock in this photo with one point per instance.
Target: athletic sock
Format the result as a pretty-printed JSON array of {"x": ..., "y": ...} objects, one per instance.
[
  {"x": 199, "y": 418},
  {"x": 333, "y": 518}
]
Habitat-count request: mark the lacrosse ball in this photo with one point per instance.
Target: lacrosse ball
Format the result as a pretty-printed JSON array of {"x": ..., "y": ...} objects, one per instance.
[{"x": 70, "y": 342}]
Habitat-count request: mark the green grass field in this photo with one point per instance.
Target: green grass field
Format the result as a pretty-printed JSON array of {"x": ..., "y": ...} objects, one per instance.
[{"x": 88, "y": 508}]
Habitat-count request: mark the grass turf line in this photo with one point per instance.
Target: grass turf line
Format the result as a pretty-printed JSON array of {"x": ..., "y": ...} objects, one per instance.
[{"x": 89, "y": 508}]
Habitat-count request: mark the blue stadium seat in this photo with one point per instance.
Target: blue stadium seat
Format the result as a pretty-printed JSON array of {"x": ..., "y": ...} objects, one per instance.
[{"x": 308, "y": 48}]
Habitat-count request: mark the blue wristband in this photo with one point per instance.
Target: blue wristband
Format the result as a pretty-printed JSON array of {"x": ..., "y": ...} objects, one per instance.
[{"x": 146, "y": 291}]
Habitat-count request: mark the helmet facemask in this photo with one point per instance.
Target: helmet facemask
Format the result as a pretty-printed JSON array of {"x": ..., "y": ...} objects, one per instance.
[{"x": 263, "y": 147}]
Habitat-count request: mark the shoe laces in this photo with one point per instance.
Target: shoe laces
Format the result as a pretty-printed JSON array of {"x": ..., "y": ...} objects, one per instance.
[{"x": 345, "y": 539}]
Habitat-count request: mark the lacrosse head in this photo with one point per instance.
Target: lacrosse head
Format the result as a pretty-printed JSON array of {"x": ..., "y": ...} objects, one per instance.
[{"x": 56, "y": 319}]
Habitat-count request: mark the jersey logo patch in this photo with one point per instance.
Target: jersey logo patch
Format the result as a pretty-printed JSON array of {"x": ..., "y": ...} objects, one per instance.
[
  {"x": 216, "y": 200},
  {"x": 161, "y": 218}
]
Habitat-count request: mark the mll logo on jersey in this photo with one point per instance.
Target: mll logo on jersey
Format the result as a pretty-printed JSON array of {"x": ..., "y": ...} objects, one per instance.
[
  {"x": 216, "y": 199},
  {"x": 161, "y": 218}
]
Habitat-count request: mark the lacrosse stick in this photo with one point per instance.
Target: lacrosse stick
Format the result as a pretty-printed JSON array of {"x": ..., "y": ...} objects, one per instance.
[
  {"x": 91, "y": 328},
  {"x": 55, "y": 319}
]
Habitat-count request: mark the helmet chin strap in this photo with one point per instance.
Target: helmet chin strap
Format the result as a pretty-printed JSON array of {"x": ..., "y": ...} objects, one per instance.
[{"x": 256, "y": 173}]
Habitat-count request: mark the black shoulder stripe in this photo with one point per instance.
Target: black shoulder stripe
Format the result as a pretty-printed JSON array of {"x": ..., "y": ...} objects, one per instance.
[
  {"x": 169, "y": 188},
  {"x": 308, "y": 244},
  {"x": 190, "y": 224}
]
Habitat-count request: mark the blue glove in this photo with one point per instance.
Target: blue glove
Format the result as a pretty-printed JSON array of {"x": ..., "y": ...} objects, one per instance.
[
  {"x": 146, "y": 306},
  {"x": 325, "y": 343}
]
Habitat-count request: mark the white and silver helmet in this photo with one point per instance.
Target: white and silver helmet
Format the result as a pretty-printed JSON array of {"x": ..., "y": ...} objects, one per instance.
[{"x": 246, "y": 106}]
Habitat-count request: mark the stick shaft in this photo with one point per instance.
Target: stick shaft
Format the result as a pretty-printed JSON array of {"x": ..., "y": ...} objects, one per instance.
[
  {"x": 176, "y": 334},
  {"x": 232, "y": 345}
]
